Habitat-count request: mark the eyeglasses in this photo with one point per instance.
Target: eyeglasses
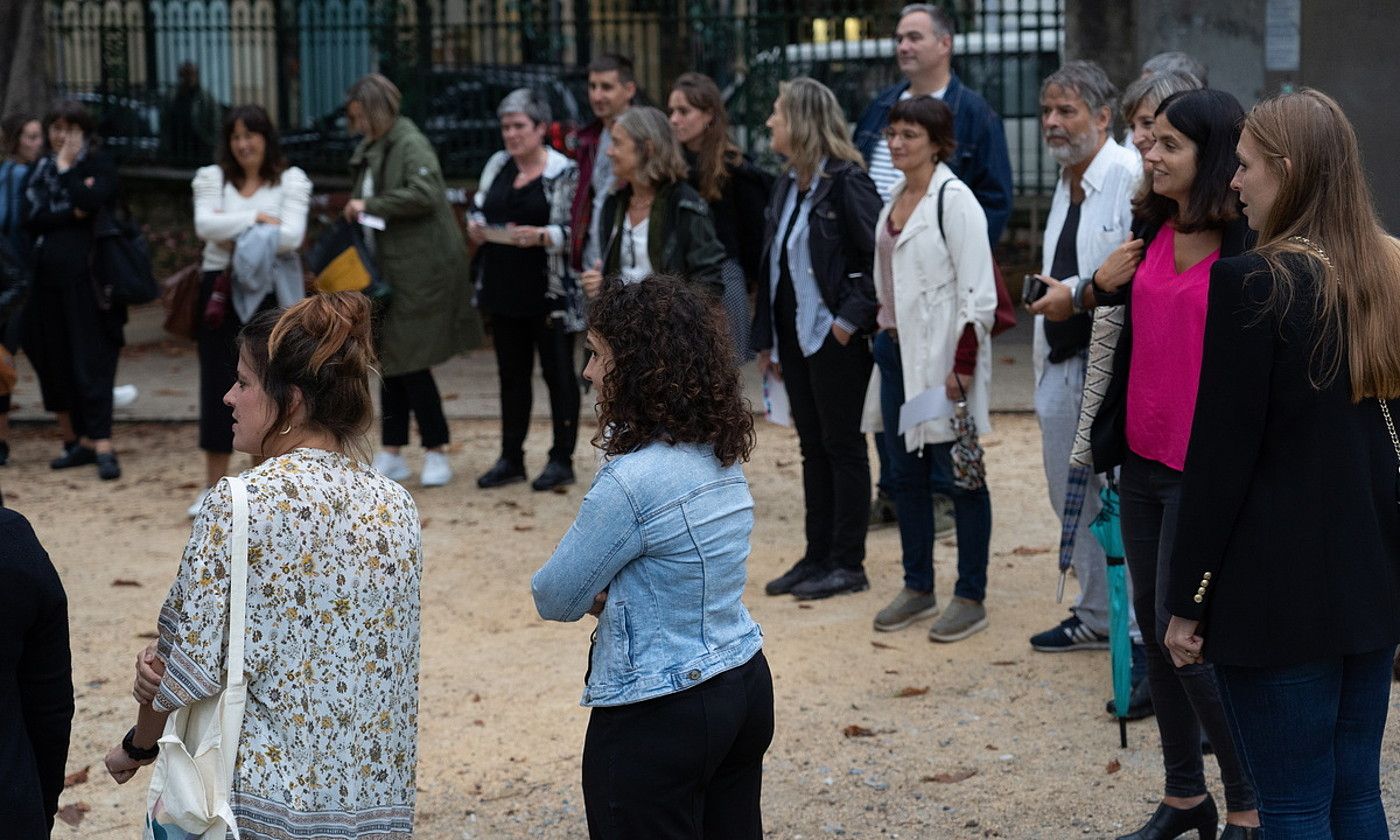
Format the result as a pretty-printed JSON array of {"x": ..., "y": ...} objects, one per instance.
[{"x": 908, "y": 135}]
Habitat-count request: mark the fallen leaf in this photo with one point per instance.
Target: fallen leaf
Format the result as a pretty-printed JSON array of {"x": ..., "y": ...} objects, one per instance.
[
  {"x": 804, "y": 606},
  {"x": 1113, "y": 767},
  {"x": 893, "y": 671},
  {"x": 169, "y": 392},
  {"x": 125, "y": 582},
  {"x": 452, "y": 396},
  {"x": 1008, "y": 360},
  {"x": 148, "y": 635},
  {"x": 857, "y": 731},
  {"x": 73, "y": 813},
  {"x": 1004, "y": 662},
  {"x": 77, "y": 778},
  {"x": 561, "y": 490},
  {"x": 424, "y": 521},
  {"x": 781, "y": 463},
  {"x": 478, "y": 722},
  {"x": 524, "y": 527},
  {"x": 950, "y": 778},
  {"x": 911, "y": 691},
  {"x": 1028, "y": 550},
  {"x": 882, "y": 646}
]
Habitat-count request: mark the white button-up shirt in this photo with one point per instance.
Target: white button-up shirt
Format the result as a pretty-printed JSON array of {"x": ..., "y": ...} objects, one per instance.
[{"x": 1105, "y": 221}]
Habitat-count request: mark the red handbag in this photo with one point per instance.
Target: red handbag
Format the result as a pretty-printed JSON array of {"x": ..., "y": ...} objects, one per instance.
[{"x": 1006, "y": 308}]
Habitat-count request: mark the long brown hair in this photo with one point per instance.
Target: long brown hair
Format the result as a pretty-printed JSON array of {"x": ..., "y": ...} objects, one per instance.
[
  {"x": 673, "y": 377},
  {"x": 717, "y": 150},
  {"x": 1309, "y": 145},
  {"x": 322, "y": 347}
]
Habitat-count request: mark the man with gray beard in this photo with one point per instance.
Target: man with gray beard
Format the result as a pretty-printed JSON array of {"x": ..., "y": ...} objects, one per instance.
[{"x": 1090, "y": 215}]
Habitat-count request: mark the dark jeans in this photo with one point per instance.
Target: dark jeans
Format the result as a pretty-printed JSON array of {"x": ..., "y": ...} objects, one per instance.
[
  {"x": 413, "y": 393},
  {"x": 827, "y": 393},
  {"x": 1310, "y": 736},
  {"x": 517, "y": 340},
  {"x": 913, "y": 479},
  {"x": 1185, "y": 700},
  {"x": 686, "y": 765},
  {"x": 217, "y": 349},
  {"x": 73, "y": 346}
]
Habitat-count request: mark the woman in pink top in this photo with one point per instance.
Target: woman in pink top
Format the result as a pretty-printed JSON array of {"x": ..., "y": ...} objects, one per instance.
[{"x": 1188, "y": 218}]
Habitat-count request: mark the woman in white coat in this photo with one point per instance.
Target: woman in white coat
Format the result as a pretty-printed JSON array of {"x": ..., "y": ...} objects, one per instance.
[{"x": 937, "y": 293}]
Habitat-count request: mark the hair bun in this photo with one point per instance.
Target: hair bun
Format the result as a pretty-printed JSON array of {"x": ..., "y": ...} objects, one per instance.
[{"x": 337, "y": 323}]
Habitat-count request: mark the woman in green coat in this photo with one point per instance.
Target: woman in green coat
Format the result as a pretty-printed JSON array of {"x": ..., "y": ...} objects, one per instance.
[{"x": 395, "y": 177}]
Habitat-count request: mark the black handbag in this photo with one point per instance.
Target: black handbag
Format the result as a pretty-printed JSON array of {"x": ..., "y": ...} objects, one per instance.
[
  {"x": 15, "y": 281},
  {"x": 342, "y": 263},
  {"x": 122, "y": 259}
]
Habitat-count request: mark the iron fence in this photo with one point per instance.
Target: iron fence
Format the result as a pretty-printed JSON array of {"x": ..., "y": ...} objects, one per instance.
[{"x": 455, "y": 60}]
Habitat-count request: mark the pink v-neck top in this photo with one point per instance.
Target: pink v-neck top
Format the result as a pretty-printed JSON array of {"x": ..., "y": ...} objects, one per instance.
[{"x": 1169, "y": 327}]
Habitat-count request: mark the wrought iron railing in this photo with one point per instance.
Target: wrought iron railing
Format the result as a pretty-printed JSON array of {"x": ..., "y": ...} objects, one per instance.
[{"x": 455, "y": 59}]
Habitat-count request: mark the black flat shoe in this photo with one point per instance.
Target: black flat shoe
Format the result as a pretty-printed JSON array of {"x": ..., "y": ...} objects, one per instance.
[
  {"x": 783, "y": 584},
  {"x": 838, "y": 581},
  {"x": 1239, "y": 832},
  {"x": 503, "y": 473},
  {"x": 107, "y": 467},
  {"x": 1168, "y": 823},
  {"x": 75, "y": 455},
  {"x": 555, "y": 474}
]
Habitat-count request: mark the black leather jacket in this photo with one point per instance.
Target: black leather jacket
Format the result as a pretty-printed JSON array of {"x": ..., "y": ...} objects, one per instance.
[{"x": 841, "y": 237}]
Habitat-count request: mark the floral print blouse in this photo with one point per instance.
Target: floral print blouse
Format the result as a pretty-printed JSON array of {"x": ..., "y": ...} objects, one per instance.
[{"x": 330, "y": 728}]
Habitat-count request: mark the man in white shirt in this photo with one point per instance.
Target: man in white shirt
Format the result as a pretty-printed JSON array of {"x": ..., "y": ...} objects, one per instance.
[{"x": 1090, "y": 215}]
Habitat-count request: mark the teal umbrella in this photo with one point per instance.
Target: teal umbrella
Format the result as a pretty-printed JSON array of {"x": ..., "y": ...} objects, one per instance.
[{"x": 1105, "y": 528}]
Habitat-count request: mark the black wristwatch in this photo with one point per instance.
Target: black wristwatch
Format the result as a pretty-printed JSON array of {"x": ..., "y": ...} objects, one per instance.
[{"x": 134, "y": 752}]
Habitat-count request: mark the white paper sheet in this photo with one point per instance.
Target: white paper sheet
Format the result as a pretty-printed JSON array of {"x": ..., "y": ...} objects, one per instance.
[
  {"x": 376, "y": 222},
  {"x": 499, "y": 235},
  {"x": 932, "y": 404},
  {"x": 775, "y": 401}
]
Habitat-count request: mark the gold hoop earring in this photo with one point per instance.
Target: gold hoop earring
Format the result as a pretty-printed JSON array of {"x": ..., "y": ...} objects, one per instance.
[{"x": 286, "y": 430}]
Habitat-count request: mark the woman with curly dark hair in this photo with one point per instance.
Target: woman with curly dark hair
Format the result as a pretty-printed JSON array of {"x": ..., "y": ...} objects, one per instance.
[{"x": 681, "y": 694}]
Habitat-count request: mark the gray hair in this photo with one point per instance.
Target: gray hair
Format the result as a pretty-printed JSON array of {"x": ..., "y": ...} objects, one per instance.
[
  {"x": 525, "y": 101},
  {"x": 1153, "y": 91},
  {"x": 942, "y": 22},
  {"x": 1086, "y": 79},
  {"x": 659, "y": 157},
  {"x": 1175, "y": 61}
]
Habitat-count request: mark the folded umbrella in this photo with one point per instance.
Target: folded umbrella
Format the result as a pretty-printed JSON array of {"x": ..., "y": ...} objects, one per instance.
[{"x": 1106, "y": 528}]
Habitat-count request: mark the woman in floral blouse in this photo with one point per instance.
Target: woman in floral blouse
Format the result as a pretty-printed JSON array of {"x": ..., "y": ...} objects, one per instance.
[{"x": 329, "y": 738}]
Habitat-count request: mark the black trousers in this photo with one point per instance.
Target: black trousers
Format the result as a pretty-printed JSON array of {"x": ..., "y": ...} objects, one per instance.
[
  {"x": 218, "y": 369},
  {"x": 827, "y": 393},
  {"x": 73, "y": 346},
  {"x": 517, "y": 340},
  {"x": 413, "y": 393},
  {"x": 687, "y": 765},
  {"x": 1185, "y": 700}
]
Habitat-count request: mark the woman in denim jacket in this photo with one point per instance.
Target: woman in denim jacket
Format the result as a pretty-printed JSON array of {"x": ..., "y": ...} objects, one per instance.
[{"x": 681, "y": 694}]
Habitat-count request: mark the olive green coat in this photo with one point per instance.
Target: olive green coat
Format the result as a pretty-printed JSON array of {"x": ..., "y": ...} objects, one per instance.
[{"x": 421, "y": 253}]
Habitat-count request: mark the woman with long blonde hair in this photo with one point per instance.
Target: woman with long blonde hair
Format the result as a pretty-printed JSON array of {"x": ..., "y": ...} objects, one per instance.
[
  {"x": 1286, "y": 572},
  {"x": 814, "y": 309}
]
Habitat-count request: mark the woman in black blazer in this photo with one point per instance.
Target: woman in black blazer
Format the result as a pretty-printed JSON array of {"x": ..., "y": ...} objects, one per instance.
[
  {"x": 1187, "y": 219},
  {"x": 815, "y": 306},
  {"x": 1286, "y": 571}
]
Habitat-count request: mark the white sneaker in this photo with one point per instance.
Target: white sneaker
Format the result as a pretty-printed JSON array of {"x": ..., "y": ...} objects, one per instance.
[
  {"x": 124, "y": 395},
  {"x": 193, "y": 510},
  {"x": 436, "y": 469},
  {"x": 392, "y": 467}
]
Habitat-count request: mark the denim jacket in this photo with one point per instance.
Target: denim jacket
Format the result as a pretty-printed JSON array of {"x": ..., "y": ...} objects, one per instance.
[
  {"x": 981, "y": 159},
  {"x": 665, "y": 530}
]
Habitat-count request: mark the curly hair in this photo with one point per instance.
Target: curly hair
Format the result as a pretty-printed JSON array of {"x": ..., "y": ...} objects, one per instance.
[{"x": 673, "y": 376}]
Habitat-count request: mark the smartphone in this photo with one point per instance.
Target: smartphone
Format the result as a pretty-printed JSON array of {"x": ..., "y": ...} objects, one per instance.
[{"x": 1033, "y": 289}]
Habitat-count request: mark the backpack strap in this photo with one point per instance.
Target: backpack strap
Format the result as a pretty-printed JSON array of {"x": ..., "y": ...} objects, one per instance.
[{"x": 940, "y": 210}]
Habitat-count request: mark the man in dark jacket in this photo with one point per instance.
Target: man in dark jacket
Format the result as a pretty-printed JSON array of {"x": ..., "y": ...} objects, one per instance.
[
  {"x": 36, "y": 682},
  {"x": 611, "y": 87},
  {"x": 924, "y": 50}
]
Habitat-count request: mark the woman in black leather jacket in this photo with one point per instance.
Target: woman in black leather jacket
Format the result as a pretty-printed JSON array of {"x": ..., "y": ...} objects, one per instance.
[{"x": 815, "y": 306}]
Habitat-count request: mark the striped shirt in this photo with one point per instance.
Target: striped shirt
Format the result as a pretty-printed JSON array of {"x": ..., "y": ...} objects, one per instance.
[{"x": 882, "y": 170}]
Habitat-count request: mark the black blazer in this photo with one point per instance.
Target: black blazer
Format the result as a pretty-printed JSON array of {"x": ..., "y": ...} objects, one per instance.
[
  {"x": 1108, "y": 437},
  {"x": 36, "y": 682},
  {"x": 841, "y": 238},
  {"x": 1288, "y": 543}
]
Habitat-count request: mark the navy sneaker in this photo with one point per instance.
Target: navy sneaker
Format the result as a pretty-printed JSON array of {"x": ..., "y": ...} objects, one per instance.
[{"x": 1070, "y": 634}]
